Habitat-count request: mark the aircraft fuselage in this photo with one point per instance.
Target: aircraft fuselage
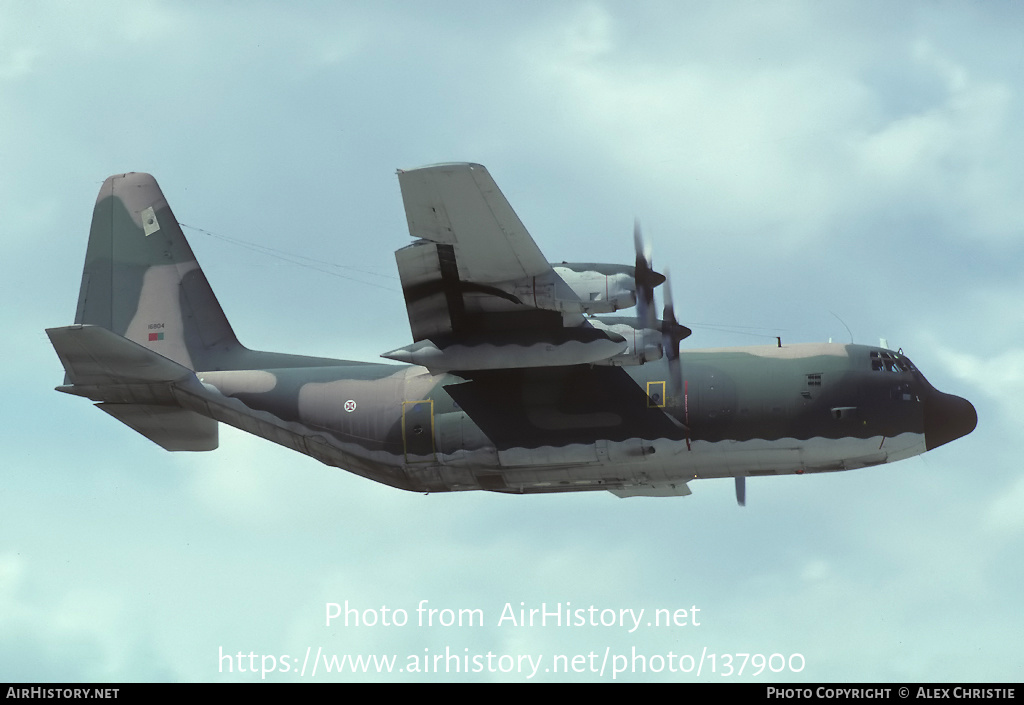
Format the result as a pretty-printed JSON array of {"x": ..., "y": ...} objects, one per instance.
[{"x": 745, "y": 411}]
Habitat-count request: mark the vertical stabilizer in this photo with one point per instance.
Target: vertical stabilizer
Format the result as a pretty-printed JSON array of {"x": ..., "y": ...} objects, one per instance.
[{"x": 142, "y": 281}]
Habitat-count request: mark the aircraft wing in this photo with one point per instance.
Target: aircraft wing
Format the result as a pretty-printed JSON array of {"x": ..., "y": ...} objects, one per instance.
[
  {"x": 468, "y": 241},
  {"x": 461, "y": 206},
  {"x": 479, "y": 292}
]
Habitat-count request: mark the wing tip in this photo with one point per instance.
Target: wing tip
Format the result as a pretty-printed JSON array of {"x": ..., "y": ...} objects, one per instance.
[{"x": 445, "y": 166}]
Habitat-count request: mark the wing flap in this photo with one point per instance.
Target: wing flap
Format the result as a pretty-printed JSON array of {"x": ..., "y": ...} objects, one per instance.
[{"x": 433, "y": 300}]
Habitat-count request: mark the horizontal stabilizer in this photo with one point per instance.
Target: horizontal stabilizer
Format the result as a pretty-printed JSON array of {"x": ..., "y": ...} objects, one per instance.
[
  {"x": 170, "y": 427},
  {"x": 128, "y": 378},
  {"x": 95, "y": 356}
]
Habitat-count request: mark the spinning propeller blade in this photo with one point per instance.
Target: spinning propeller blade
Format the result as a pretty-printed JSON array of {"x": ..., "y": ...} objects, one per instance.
[
  {"x": 671, "y": 334},
  {"x": 646, "y": 279}
]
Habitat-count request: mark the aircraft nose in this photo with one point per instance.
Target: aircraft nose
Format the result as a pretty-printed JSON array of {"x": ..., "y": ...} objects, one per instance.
[{"x": 946, "y": 418}]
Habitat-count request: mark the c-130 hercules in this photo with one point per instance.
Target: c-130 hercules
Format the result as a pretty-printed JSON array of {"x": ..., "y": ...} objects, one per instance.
[{"x": 512, "y": 384}]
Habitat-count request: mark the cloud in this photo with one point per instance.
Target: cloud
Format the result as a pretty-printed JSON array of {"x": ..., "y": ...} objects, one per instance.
[
  {"x": 797, "y": 145},
  {"x": 75, "y": 632},
  {"x": 949, "y": 157},
  {"x": 1006, "y": 513},
  {"x": 17, "y": 63},
  {"x": 1000, "y": 376}
]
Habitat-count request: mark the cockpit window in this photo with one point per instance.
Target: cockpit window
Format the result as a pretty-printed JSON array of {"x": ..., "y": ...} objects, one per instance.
[{"x": 886, "y": 361}]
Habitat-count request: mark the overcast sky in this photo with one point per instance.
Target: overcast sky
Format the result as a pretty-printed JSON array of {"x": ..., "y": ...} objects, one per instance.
[{"x": 806, "y": 169}]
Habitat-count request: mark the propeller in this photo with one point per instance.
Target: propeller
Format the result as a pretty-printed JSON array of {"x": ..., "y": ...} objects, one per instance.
[
  {"x": 671, "y": 334},
  {"x": 646, "y": 279}
]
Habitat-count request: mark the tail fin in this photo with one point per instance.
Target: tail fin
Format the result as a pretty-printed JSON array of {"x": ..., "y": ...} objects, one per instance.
[
  {"x": 147, "y": 321},
  {"x": 141, "y": 280}
]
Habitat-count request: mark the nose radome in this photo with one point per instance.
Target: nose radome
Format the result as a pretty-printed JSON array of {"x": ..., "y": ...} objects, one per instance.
[{"x": 946, "y": 418}]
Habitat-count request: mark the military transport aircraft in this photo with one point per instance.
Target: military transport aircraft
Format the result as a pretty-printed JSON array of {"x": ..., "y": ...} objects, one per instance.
[{"x": 512, "y": 383}]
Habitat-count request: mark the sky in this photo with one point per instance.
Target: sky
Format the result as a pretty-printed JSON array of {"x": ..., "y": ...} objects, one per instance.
[{"x": 806, "y": 170}]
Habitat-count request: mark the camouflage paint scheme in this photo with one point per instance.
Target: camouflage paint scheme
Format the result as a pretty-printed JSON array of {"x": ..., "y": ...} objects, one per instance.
[{"x": 518, "y": 394}]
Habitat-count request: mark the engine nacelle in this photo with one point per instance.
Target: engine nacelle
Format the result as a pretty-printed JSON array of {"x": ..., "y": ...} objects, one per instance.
[
  {"x": 578, "y": 288},
  {"x": 605, "y": 287},
  {"x": 642, "y": 344}
]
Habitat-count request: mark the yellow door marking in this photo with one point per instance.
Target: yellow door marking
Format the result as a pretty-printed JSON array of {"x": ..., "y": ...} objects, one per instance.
[{"x": 656, "y": 395}]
